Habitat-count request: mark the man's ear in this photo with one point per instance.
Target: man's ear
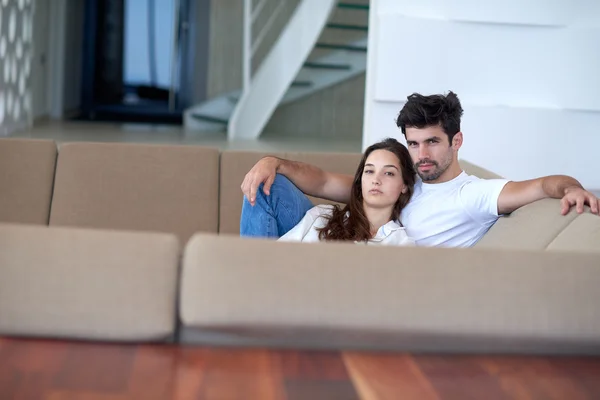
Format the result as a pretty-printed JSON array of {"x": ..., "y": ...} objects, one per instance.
[{"x": 457, "y": 140}]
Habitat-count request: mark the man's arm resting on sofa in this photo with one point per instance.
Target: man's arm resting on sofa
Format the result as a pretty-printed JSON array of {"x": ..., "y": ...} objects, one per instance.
[
  {"x": 309, "y": 179},
  {"x": 569, "y": 190}
]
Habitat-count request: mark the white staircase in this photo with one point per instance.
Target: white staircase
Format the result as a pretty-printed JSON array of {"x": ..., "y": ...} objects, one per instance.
[{"x": 285, "y": 75}]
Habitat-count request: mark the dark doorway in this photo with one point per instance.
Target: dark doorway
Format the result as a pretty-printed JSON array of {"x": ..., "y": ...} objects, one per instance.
[{"x": 137, "y": 60}]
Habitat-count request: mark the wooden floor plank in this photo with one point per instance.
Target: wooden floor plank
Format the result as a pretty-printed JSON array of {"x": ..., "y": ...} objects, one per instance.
[
  {"x": 382, "y": 377},
  {"x": 63, "y": 370},
  {"x": 237, "y": 374},
  {"x": 79, "y": 395},
  {"x": 96, "y": 368},
  {"x": 317, "y": 375},
  {"x": 152, "y": 373},
  {"x": 27, "y": 367},
  {"x": 37, "y": 355},
  {"x": 189, "y": 373},
  {"x": 324, "y": 365},
  {"x": 585, "y": 372},
  {"x": 457, "y": 377},
  {"x": 532, "y": 378}
]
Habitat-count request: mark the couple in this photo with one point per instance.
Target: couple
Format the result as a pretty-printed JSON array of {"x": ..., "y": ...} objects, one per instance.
[{"x": 386, "y": 202}]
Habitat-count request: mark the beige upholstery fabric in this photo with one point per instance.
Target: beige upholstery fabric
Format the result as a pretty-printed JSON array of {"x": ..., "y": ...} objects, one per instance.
[
  {"x": 582, "y": 234},
  {"x": 235, "y": 165},
  {"x": 345, "y": 295},
  {"x": 533, "y": 226},
  {"x": 473, "y": 169},
  {"x": 26, "y": 179},
  {"x": 171, "y": 189},
  {"x": 87, "y": 284}
]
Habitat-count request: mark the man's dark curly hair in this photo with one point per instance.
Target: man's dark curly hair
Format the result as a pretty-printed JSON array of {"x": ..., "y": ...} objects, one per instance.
[{"x": 423, "y": 111}]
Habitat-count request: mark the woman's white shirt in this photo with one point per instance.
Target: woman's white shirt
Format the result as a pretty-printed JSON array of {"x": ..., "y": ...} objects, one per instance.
[{"x": 390, "y": 234}]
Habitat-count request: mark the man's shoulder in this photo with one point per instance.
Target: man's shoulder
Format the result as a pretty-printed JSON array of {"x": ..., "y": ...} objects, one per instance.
[{"x": 484, "y": 184}]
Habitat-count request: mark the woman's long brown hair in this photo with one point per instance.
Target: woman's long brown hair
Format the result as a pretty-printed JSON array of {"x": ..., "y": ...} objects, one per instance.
[{"x": 357, "y": 226}]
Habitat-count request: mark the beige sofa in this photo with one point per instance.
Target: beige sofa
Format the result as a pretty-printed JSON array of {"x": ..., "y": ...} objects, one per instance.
[{"x": 127, "y": 242}]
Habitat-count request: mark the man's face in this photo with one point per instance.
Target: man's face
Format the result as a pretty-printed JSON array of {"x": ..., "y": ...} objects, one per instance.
[{"x": 431, "y": 152}]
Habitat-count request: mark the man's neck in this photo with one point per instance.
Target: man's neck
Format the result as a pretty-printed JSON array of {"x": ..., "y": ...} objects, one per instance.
[{"x": 377, "y": 217}]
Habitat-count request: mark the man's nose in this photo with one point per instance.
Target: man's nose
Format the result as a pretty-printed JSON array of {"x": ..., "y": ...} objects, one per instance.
[{"x": 423, "y": 153}]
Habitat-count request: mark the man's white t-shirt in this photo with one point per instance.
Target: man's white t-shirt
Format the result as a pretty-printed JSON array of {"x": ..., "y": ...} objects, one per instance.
[
  {"x": 456, "y": 213},
  {"x": 391, "y": 234}
]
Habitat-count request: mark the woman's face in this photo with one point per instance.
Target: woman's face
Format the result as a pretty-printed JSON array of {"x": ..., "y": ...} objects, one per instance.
[{"x": 382, "y": 181}]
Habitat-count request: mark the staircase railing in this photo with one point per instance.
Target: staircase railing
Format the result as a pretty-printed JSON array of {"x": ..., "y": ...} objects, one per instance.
[{"x": 264, "y": 88}]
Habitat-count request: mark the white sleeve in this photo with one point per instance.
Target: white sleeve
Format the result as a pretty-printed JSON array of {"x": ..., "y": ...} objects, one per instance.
[
  {"x": 480, "y": 198},
  {"x": 298, "y": 232}
]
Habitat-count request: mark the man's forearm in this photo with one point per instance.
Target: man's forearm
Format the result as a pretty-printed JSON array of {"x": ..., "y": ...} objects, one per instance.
[
  {"x": 308, "y": 178},
  {"x": 556, "y": 186}
]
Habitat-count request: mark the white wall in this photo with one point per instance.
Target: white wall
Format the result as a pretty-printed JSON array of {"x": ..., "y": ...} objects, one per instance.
[
  {"x": 16, "y": 21},
  {"x": 526, "y": 71}
]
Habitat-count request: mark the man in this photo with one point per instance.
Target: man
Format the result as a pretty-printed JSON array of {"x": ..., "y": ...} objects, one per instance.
[{"x": 449, "y": 208}]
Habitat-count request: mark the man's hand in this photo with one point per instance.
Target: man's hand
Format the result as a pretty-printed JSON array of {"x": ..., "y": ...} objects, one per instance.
[
  {"x": 578, "y": 197},
  {"x": 264, "y": 171}
]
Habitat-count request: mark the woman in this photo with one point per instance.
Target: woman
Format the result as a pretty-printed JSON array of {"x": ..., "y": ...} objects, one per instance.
[{"x": 383, "y": 185}]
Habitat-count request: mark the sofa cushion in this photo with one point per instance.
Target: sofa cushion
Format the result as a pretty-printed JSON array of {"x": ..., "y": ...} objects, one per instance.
[
  {"x": 329, "y": 295},
  {"x": 161, "y": 188},
  {"x": 582, "y": 234},
  {"x": 236, "y": 164},
  {"x": 87, "y": 284},
  {"x": 26, "y": 179}
]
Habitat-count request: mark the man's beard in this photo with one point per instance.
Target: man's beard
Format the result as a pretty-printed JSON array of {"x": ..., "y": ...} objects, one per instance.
[{"x": 434, "y": 173}]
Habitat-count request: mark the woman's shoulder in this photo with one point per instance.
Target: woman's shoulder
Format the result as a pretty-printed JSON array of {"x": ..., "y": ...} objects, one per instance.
[{"x": 321, "y": 209}]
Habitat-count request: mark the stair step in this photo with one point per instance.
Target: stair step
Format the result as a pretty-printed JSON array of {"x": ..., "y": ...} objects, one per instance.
[
  {"x": 318, "y": 65},
  {"x": 354, "y": 6},
  {"x": 210, "y": 118},
  {"x": 348, "y": 27},
  {"x": 301, "y": 83},
  {"x": 334, "y": 46}
]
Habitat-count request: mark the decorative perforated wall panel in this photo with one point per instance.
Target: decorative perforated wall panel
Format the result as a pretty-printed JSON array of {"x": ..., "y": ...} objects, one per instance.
[{"x": 16, "y": 28}]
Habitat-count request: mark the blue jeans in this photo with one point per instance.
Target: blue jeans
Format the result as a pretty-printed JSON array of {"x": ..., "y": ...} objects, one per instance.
[{"x": 274, "y": 215}]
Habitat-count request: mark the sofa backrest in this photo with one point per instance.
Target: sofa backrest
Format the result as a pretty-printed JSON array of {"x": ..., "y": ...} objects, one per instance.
[
  {"x": 26, "y": 179},
  {"x": 540, "y": 226},
  {"x": 478, "y": 171},
  {"x": 235, "y": 165},
  {"x": 87, "y": 284},
  {"x": 162, "y": 188}
]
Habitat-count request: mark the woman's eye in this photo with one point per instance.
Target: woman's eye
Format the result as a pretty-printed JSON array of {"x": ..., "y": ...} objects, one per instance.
[
  {"x": 368, "y": 172},
  {"x": 389, "y": 173}
]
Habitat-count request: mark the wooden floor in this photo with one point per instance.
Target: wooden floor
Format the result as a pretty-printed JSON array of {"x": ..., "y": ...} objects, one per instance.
[{"x": 54, "y": 370}]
